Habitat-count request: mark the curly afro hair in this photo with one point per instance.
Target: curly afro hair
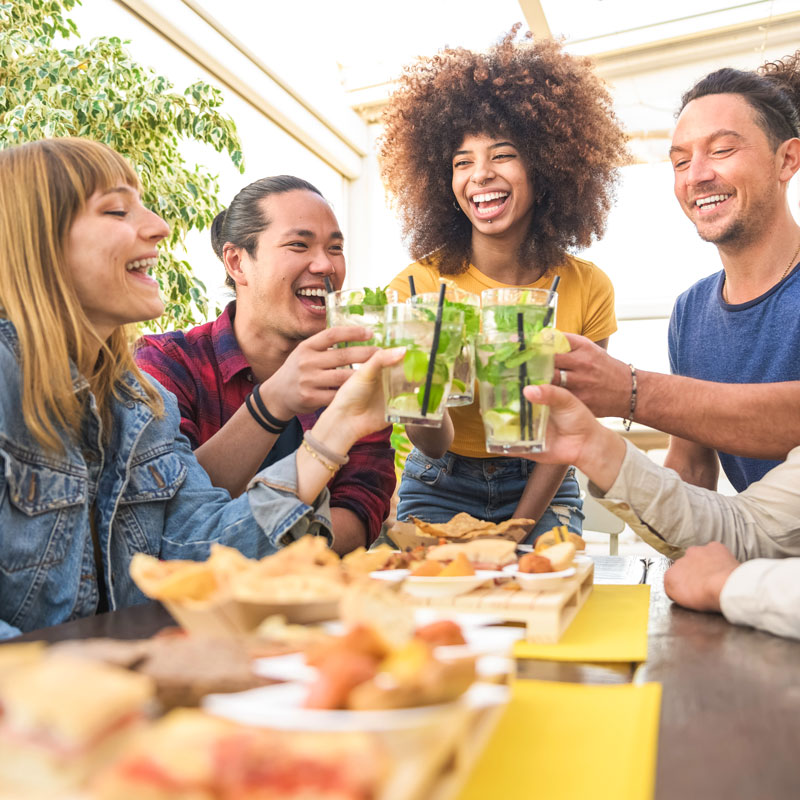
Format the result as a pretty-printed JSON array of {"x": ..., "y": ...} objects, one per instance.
[{"x": 549, "y": 103}]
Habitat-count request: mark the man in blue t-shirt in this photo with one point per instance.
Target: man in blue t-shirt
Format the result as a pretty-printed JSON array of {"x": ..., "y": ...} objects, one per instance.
[
  {"x": 734, "y": 344},
  {"x": 734, "y": 151}
]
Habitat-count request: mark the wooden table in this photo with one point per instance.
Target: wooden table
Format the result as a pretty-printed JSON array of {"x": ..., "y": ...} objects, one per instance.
[{"x": 730, "y": 715}]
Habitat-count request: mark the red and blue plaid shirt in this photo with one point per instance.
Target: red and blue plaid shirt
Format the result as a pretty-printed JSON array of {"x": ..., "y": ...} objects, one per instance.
[{"x": 208, "y": 374}]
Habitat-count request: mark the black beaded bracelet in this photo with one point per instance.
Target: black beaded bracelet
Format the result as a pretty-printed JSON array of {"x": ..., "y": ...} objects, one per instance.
[
  {"x": 248, "y": 401},
  {"x": 281, "y": 424}
]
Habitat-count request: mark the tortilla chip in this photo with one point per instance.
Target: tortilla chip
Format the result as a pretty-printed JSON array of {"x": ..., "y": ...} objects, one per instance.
[
  {"x": 227, "y": 562},
  {"x": 362, "y": 561},
  {"x": 303, "y": 555},
  {"x": 173, "y": 580},
  {"x": 459, "y": 527},
  {"x": 309, "y": 587}
]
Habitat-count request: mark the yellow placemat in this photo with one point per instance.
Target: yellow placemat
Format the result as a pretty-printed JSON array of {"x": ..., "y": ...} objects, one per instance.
[
  {"x": 561, "y": 741},
  {"x": 611, "y": 626}
]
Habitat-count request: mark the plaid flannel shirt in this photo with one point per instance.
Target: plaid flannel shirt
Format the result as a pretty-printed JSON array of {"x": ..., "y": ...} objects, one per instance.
[{"x": 208, "y": 374}]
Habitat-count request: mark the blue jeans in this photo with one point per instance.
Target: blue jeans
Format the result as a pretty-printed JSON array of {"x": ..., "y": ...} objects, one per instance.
[{"x": 435, "y": 489}]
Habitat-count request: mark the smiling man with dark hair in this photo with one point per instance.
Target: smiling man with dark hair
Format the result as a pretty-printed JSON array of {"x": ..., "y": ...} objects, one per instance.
[
  {"x": 252, "y": 381},
  {"x": 735, "y": 335}
]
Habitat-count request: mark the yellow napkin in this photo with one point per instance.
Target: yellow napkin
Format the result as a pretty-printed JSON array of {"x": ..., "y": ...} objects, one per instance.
[
  {"x": 561, "y": 741},
  {"x": 611, "y": 626}
]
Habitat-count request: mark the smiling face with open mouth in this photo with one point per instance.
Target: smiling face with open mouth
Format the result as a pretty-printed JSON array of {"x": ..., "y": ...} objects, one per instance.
[
  {"x": 492, "y": 186},
  {"x": 283, "y": 282},
  {"x": 727, "y": 175},
  {"x": 111, "y": 250}
]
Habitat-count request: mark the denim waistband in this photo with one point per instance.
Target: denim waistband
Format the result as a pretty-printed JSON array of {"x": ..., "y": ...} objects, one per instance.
[{"x": 489, "y": 468}]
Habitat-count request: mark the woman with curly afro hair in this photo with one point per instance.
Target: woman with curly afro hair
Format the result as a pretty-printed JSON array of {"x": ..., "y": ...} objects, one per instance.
[{"x": 498, "y": 164}]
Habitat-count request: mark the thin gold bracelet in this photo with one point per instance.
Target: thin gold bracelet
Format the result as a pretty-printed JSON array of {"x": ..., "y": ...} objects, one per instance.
[{"x": 317, "y": 457}]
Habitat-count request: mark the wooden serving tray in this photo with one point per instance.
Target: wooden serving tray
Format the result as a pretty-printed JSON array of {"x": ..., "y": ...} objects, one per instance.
[{"x": 546, "y": 614}]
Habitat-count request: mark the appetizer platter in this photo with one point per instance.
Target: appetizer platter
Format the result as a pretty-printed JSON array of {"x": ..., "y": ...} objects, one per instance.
[
  {"x": 544, "y": 588},
  {"x": 382, "y": 657}
]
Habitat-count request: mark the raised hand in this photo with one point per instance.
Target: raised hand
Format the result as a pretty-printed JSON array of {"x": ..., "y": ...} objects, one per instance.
[
  {"x": 601, "y": 382},
  {"x": 358, "y": 407},
  {"x": 309, "y": 377},
  {"x": 574, "y": 436}
]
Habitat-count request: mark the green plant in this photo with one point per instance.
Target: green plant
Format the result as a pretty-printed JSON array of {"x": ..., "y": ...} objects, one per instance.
[{"x": 97, "y": 91}]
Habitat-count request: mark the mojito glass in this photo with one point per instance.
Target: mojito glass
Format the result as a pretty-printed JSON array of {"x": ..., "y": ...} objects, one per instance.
[
  {"x": 462, "y": 388},
  {"x": 361, "y": 307},
  {"x": 511, "y": 423},
  {"x": 500, "y": 310},
  {"x": 404, "y": 384}
]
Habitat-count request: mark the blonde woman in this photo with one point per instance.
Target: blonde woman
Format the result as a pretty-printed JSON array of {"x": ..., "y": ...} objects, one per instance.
[{"x": 93, "y": 467}]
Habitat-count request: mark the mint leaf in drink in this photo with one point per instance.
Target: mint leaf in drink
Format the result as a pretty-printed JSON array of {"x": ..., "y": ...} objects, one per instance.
[
  {"x": 520, "y": 357},
  {"x": 434, "y": 397},
  {"x": 415, "y": 366},
  {"x": 356, "y": 310},
  {"x": 376, "y": 297}
]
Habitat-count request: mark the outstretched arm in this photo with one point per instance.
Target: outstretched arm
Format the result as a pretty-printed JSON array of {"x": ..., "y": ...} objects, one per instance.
[
  {"x": 754, "y": 420},
  {"x": 666, "y": 511},
  {"x": 306, "y": 381}
]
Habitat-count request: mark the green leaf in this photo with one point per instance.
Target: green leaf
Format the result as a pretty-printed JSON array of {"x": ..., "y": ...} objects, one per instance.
[{"x": 95, "y": 89}]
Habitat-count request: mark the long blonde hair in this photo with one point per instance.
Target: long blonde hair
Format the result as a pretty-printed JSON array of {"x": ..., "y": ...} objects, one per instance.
[{"x": 43, "y": 186}]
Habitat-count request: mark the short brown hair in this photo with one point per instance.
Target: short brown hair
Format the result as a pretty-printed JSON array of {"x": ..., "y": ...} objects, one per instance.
[
  {"x": 772, "y": 91},
  {"x": 550, "y": 104}
]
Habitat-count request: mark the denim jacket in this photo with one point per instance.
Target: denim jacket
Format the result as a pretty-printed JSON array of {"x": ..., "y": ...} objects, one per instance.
[{"x": 152, "y": 497}]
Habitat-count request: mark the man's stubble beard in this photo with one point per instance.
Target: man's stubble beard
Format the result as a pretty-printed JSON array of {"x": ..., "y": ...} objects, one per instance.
[{"x": 742, "y": 231}]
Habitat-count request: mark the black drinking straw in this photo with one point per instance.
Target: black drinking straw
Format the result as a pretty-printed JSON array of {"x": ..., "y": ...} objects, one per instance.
[
  {"x": 411, "y": 286},
  {"x": 437, "y": 330},
  {"x": 328, "y": 285},
  {"x": 525, "y": 422},
  {"x": 549, "y": 313}
]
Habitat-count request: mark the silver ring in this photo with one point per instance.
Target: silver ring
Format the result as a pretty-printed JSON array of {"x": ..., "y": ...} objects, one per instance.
[{"x": 562, "y": 378}]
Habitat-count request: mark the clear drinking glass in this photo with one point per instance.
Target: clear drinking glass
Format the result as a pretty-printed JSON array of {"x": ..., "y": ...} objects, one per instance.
[
  {"x": 348, "y": 307},
  {"x": 405, "y": 385},
  {"x": 462, "y": 389},
  {"x": 501, "y": 310},
  {"x": 511, "y": 423}
]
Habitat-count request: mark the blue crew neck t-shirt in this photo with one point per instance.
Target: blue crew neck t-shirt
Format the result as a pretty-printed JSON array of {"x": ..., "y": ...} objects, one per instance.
[{"x": 753, "y": 342}]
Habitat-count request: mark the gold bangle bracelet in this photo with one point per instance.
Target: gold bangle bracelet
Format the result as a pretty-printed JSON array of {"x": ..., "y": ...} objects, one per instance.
[{"x": 333, "y": 468}]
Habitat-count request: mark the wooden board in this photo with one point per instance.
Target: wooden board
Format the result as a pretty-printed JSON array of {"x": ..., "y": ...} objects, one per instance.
[{"x": 546, "y": 614}]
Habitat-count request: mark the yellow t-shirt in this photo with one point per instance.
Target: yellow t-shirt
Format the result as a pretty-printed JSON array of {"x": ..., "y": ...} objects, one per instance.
[{"x": 585, "y": 306}]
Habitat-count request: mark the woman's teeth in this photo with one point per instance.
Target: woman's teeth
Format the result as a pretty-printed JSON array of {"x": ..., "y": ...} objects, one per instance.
[
  {"x": 311, "y": 292},
  {"x": 141, "y": 264},
  {"x": 485, "y": 198},
  {"x": 489, "y": 201}
]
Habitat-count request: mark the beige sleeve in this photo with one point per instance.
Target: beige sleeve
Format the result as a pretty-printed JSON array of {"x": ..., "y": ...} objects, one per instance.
[
  {"x": 671, "y": 515},
  {"x": 765, "y": 593}
]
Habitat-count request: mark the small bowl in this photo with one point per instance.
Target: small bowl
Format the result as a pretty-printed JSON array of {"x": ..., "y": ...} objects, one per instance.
[
  {"x": 390, "y": 575},
  {"x": 540, "y": 581},
  {"x": 420, "y": 586}
]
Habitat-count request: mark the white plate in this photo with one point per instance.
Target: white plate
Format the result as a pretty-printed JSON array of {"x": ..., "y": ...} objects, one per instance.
[
  {"x": 540, "y": 581},
  {"x": 497, "y": 640},
  {"x": 280, "y": 706},
  {"x": 435, "y": 586},
  {"x": 293, "y": 668},
  {"x": 424, "y": 616},
  {"x": 528, "y": 548},
  {"x": 391, "y": 575}
]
